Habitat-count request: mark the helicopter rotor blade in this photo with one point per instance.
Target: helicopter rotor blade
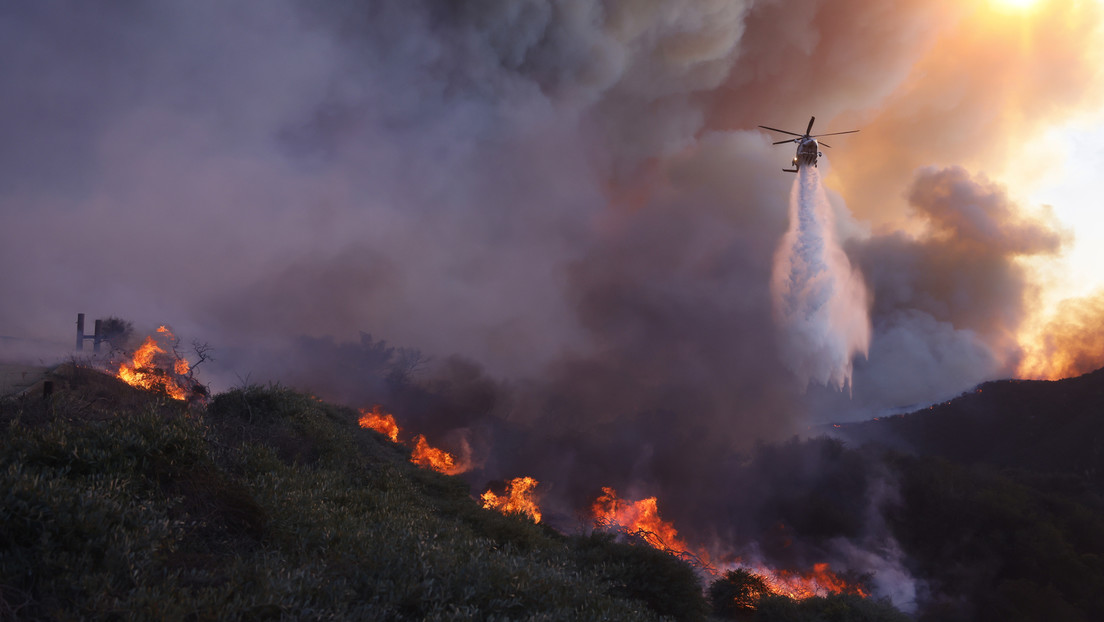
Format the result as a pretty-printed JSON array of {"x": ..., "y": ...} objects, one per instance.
[
  {"x": 788, "y": 140},
  {"x": 824, "y": 144},
  {"x": 783, "y": 131},
  {"x": 837, "y": 133},
  {"x": 810, "y": 128}
]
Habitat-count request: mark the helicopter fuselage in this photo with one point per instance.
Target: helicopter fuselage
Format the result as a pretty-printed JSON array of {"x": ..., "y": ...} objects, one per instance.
[{"x": 808, "y": 149}]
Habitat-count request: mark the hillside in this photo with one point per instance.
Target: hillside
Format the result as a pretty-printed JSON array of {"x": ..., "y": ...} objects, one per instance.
[
  {"x": 1034, "y": 425},
  {"x": 1000, "y": 506},
  {"x": 270, "y": 504}
]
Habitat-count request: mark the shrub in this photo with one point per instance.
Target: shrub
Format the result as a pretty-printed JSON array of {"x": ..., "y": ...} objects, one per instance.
[
  {"x": 665, "y": 583},
  {"x": 736, "y": 595}
]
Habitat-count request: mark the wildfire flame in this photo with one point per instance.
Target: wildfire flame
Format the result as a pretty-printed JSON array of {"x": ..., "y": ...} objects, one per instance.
[
  {"x": 518, "y": 498},
  {"x": 423, "y": 454},
  {"x": 639, "y": 518},
  {"x": 426, "y": 455},
  {"x": 820, "y": 581},
  {"x": 381, "y": 422},
  {"x": 636, "y": 518},
  {"x": 156, "y": 366}
]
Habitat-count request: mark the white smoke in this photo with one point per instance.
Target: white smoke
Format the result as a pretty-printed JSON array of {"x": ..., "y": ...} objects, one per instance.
[{"x": 820, "y": 302}]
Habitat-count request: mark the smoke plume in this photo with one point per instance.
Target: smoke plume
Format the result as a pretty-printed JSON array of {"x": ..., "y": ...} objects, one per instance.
[
  {"x": 1069, "y": 343},
  {"x": 820, "y": 302}
]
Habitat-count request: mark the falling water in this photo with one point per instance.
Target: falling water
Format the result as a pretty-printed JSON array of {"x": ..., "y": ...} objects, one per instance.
[{"x": 820, "y": 301}]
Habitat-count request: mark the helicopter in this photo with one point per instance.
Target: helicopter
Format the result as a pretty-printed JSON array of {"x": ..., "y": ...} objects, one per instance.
[{"x": 807, "y": 145}]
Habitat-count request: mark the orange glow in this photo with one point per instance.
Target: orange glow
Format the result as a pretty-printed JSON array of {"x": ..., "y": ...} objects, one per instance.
[
  {"x": 518, "y": 498},
  {"x": 1069, "y": 344},
  {"x": 181, "y": 367},
  {"x": 820, "y": 581},
  {"x": 639, "y": 518},
  {"x": 155, "y": 366},
  {"x": 1015, "y": 5},
  {"x": 381, "y": 422}
]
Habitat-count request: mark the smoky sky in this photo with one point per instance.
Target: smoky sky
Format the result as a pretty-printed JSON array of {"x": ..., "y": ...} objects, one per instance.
[{"x": 570, "y": 197}]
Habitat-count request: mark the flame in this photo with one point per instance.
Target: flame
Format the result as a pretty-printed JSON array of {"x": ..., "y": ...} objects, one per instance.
[
  {"x": 820, "y": 581},
  {"x": 518, "y": 498},
  {"x": 157, "y": 367},
  {"x": 181, "y": 367},
  {"x": 639, "y": 518},
  {"x": 423, "y": 454},
  {"x": 381, "y": 422}
]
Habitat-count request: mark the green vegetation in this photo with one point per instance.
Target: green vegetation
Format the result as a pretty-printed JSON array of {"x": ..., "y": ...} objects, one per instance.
[
  {"x": 834, "y": 608},
  {"x": 272, "y": 505},
  {"x": 269, "y": 504},
  {"x": 1006, "y": 549},
  {"x": 743, "y": 595},
  {"x": 737, "y": 594}
]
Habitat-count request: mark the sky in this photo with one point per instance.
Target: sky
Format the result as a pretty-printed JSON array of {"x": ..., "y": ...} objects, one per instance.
[{"x": 569, "y": 195}]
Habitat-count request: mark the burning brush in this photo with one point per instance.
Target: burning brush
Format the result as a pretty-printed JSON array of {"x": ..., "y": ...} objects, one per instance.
[
  {"x": 820, "y": 581},
  {"x": 422, "y": 453},
  {"x": 638, "y": 520},
  {"x": 518, "y": 498},
  {"x": 641, "y": 520},
  {"x": 157, "y": 365}
]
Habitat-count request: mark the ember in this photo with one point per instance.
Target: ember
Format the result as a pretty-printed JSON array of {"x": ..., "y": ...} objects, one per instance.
[{"x": 518, "y": 498}]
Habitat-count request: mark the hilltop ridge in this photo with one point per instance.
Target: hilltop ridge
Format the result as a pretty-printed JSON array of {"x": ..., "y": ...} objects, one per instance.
[{"x": 1038, "y": 425}]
